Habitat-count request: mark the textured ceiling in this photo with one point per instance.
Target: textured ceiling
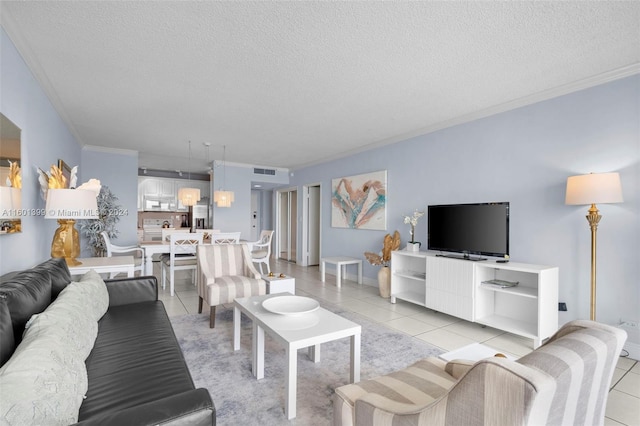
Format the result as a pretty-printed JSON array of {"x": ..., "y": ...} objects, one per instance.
[{"x": 288, "y": 84}]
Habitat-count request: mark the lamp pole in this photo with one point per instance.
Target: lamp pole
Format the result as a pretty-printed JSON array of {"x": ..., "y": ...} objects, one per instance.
[{"x": 593, "y": 218}]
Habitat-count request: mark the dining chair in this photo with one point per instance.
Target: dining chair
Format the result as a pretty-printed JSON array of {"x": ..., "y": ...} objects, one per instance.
[
  {"x": 225, "y": 238},
  {"x": 207, "y": 234},
  {"x": 181, "y": 256},
  {"x": 261, "y": 250},
  {"x": 135, "y": 251}
]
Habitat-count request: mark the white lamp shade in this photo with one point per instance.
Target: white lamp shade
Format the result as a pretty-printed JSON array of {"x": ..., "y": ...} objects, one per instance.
[
  {"x": 223, "y": 198},
  {"x": 189, "y": 196},
  {"x": 71, "y": 204},
  {"x": 594, "y": 188},
  {"x": 10, "y": 202}
]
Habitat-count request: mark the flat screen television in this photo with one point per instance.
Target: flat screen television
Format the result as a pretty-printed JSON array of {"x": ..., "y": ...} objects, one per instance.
[{"x": 480, "y": 228}]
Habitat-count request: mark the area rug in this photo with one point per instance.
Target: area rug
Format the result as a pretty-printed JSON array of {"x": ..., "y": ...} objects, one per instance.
[{"x": 240, "y": 399}]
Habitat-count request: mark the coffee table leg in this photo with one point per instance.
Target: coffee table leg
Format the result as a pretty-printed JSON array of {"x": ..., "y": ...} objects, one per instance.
[
  {"x": 354, "y": 377},
  {"x": 291, "y": 385},
  {"x": 338, "y": 274},
  {"x": 359, "y": 272},
  {"x": 236, "y": 328},
  {"x": 314, "y": 353},
  {"x": 322, "y": 264},
  {"x": 257, "y": 350}
]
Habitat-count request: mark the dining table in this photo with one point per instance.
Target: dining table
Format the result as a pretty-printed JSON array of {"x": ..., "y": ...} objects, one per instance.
[
  {"x": 158, "y": 247},
  {"x": 150, "y": 248}
]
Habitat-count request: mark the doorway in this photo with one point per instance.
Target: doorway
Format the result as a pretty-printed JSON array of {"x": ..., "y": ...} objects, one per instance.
[{"x": 287, "y": 224}]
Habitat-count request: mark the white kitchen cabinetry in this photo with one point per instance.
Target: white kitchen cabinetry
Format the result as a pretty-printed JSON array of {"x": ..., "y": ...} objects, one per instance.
[
  {"x": 460, "y": 288},
  {"x": 166, "y": 191}
]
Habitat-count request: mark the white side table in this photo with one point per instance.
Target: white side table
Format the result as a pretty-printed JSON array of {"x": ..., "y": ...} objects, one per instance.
[
  {"x": 474, "y": 352},
  {"x": 341, "y": 262},
  {"x": 276, "y": 284},
  {"x": 104, "y": 265}
]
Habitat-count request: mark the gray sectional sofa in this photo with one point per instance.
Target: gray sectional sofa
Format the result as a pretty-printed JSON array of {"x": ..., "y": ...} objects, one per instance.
[{"x": 93, "y": 352}]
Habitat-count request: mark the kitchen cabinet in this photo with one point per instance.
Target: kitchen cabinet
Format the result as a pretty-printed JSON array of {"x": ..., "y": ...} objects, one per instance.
[{"x": 166, "y": 191}]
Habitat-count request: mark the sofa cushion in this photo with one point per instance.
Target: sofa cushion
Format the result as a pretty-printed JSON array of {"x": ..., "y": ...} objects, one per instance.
[
  {"x": 45, "y": 380},
  {"x": 7, "y": 341},
  {"x": 136, "y": 360},
  {"x": 27, "y": 293},
  {"x": 59, "y": 271}
]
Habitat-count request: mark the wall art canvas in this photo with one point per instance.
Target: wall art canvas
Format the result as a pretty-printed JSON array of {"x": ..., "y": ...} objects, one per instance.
[{"x": 360, "y": 202}]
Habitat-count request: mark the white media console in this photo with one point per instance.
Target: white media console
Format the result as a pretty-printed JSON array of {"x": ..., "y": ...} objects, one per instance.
[{"x": 479, "y": 291}]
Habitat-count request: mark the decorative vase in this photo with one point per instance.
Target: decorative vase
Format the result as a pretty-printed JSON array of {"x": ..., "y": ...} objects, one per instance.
[
  {"x": 413, "y": 246},
  {"x": 384, "y": 282}
]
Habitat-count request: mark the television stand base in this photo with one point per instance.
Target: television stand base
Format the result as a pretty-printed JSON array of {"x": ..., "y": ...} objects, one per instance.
[{"x": 462, "y": 256}]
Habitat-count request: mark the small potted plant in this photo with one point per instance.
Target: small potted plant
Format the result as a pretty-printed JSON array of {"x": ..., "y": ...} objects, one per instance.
[
  {"x": 384, "y": 275},
  {"x": 413, "y": 221}
]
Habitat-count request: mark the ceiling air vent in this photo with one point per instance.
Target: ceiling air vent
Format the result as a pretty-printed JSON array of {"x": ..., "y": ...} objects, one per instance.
[{"x": 271, "y": 172}]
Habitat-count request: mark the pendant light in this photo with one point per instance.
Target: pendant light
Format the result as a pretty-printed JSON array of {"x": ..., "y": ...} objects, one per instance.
[
  {"x": 221, "y": 197},
  {"x": 189, "y": 196}
]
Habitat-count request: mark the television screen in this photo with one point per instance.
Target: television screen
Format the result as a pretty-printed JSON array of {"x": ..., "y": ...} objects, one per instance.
[{"x": 481, "y": 228}]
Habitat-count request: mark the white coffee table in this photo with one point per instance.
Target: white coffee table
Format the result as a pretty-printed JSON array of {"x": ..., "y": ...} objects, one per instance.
[
  {"x": 294, "y": 332},
  {"x": 104, "y": 265}
]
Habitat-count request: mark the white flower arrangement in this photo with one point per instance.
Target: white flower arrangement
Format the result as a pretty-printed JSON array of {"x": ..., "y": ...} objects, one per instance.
[{"x": 413, "y": 221}]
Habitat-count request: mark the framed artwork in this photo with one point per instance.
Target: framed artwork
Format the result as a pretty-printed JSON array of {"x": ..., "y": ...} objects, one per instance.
[
  {"x": 66, "y": 170},
  {"x": 360, "y": 202}
]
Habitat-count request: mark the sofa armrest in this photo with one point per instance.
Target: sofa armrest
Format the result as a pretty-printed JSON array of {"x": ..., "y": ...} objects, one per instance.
[
  {"x": 193, "y": 407},
  {"x": 132, "y": 290}
]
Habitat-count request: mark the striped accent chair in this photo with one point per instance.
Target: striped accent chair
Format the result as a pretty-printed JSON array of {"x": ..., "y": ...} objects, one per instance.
[
  {"x": 225, "y": 272},
  {"x": 565, "y": 381}
]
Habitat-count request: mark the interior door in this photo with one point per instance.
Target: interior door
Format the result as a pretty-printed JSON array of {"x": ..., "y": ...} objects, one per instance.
[
  {"x": 287, "y": 224},
  {"x": 313, "y": 225}
]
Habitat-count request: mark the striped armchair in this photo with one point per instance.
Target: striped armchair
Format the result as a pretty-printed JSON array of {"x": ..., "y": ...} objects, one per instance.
[
  {"x": 565, "y": 381},
  {"x": 224, "y": 273}
]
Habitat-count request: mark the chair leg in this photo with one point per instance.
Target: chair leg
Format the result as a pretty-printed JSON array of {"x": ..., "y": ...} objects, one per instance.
[
  {"x": 212, "y": 317},
  {"x": 199, "y": 305},
  {"x": 163, "y": 275},
  {"x": 171, "y": 275}
]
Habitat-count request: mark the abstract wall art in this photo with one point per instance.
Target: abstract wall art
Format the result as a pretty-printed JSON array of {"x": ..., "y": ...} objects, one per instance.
[{"x": 360, "y": 202}]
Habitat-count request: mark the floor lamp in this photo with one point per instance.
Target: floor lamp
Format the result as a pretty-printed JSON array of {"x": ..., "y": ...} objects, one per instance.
[{"x": 594, "y": 188}]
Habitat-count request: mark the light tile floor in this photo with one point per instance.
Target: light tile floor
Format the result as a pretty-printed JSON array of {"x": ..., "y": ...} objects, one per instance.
[{"x": 444, "y": 331}]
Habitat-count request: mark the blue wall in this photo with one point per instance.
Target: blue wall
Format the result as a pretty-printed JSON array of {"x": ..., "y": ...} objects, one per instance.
[
  {"x": 523, "y": 156},
  {"x": 45, "y": 139},
  {"x": 117, "y": 169}
]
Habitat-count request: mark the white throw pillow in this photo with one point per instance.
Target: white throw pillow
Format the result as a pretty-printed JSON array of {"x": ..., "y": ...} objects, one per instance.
[
  {"x": 97, "y": 297},
  {"x": 45, "y": 380}
]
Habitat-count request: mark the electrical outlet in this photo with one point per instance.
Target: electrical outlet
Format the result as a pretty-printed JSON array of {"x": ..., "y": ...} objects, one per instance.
[
  {"x": 562, "y": 306},
  {"x": 629, "y": 323}
]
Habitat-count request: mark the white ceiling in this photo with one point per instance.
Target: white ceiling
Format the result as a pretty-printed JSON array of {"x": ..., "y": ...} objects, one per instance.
[{"x": 289, "y": 84}]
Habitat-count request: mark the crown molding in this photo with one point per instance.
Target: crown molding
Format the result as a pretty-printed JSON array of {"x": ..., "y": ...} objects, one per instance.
[
  {"x": 120, "y": 151},
  {"x": 565, "y": 89}
]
